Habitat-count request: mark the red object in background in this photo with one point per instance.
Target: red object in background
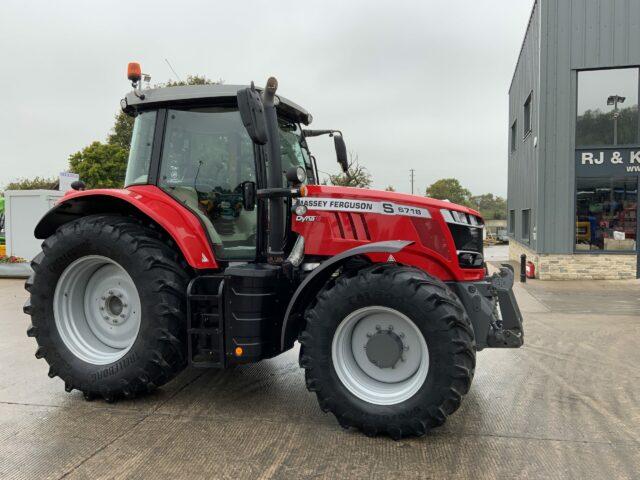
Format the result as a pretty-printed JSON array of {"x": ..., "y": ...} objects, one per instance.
[{"x": 531, "y": 270}]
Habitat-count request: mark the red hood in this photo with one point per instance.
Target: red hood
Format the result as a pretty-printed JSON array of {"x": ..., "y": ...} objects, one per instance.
[{"x": 402, "y": 198}]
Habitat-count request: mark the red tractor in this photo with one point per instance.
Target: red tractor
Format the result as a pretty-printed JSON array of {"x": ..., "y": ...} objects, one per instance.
[{"x": 224, "y": 249}]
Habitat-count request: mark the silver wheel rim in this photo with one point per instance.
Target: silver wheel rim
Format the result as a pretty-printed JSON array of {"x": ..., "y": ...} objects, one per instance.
[
  {"x": 391, "y": 379},
  {"x": 97, "y": 309}
]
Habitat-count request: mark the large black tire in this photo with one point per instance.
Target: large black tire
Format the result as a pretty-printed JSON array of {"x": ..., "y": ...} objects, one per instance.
[
  {"x": 441, "y": 319},
  {"x": 158, "y": 353}
]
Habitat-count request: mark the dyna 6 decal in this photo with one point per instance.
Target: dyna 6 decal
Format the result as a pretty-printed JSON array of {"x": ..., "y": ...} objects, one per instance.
[{"x": 362, "y": 206}]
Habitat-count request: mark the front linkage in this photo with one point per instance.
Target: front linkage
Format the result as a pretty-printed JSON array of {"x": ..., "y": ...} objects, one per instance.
[{"x": 492, "y": 307}]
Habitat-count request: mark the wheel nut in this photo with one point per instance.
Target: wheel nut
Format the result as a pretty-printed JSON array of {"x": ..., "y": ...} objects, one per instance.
[
  {"x": 122, "y": 315},
  {"x": 378, "y": 327},
  {"x": 401, "y": 335},
  {"x": 119, "y": 295},
  {"x": 103, "y": 297},
  {"x": 369, "y": 335},
  {"x": 391, "y": 328},
  {"x": 101, "y": 307}
]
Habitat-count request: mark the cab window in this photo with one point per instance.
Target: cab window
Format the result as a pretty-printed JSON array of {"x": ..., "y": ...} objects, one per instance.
[{"x": 207, "y": 157}]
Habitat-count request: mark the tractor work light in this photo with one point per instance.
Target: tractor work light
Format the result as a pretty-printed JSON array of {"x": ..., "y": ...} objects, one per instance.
[
  {"x": 296, "y": 175},
  {"x": 134, "y": 72}
]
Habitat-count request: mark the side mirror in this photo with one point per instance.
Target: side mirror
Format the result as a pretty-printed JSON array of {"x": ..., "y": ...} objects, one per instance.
[
  {"x": 341, "y": 152},
  {"x": 249, "y": 195},
  {"x": 252, "y": 114}
]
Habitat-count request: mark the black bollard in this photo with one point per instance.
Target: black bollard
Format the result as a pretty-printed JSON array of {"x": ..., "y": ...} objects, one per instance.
[{"x": 523, "y": 268}]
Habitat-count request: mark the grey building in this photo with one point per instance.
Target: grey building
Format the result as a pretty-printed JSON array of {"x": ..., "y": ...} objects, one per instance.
[{"x": 574, "y": 140}]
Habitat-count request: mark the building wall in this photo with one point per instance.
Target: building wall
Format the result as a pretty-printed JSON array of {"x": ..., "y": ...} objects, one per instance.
[
  {"x": 558, "y": 266},
  {"x": 522, "y": 164},
  {"x": 577, "y": 34}
]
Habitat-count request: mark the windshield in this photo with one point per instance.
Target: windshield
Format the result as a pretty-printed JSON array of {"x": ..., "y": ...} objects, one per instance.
[
  {"x": 140, "y": 151},
  {"x": 294, "y": 151}
]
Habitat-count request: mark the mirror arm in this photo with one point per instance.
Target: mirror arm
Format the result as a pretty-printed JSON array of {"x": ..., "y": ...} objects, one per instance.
[
  {"x": 316, "y": 133},
  {"x": 270, "y": 193}
]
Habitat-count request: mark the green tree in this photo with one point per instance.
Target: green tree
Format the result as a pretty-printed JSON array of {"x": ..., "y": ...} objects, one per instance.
[
  {"x": 37, "y": 183},
  {"x": 390, "y": 188},
  {"x": 100, "y": 165},
  {"x": 356, "y": 175},
  {"x": 449, "y": 189},
  {"x": 492, "y": 207},
  {"x": 121, "y": 132}
]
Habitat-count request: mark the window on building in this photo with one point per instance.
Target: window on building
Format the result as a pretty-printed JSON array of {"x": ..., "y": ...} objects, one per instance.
[
  {"x": 527, "y": 115},
  {"x": 513, "y": 135},
  {"x": 512, "y": 222},
  {"x": 526, "y": 225},
  {"x": 606, "y": 216},
  {"x": 607, "y": 107}
]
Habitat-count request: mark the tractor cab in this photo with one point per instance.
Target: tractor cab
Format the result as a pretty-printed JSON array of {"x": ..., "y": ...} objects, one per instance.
[{"x": 190, "y": 142}]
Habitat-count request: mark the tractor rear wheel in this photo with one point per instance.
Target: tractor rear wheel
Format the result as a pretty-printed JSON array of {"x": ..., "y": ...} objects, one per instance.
[
  {"x": 388, "y": 349},
  {"x": 107, "y": 307}
]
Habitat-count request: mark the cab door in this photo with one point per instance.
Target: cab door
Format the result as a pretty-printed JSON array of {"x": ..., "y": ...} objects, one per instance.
[{"x": 207, "y": 156}]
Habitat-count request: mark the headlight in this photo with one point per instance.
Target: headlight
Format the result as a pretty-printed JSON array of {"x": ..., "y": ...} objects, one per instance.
[
  {"x": 461, "y": 218},
  {"x": 301, "y": 209},
  {"x": 301, "y": 174}
]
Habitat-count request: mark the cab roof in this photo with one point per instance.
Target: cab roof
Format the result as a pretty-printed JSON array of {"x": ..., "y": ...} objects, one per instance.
[{"x": 198, "y": 94}]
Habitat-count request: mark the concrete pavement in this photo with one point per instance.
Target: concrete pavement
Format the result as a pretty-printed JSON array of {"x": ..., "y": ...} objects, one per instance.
[{"x": 567, "y": 405}]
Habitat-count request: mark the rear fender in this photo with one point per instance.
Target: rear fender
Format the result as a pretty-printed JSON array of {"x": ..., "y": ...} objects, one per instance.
[
  {"x": 144, "y": 201},
  {"x": 312, "y": 284}
]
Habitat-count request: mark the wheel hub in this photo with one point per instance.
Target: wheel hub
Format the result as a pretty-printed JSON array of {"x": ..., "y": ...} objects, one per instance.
[
  {"x": 114, "y": 306},
  {"x": 384, "y": 348}
]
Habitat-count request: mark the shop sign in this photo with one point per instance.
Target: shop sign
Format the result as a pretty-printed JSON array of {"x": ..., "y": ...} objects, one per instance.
[{"x": 608, "y": 161}]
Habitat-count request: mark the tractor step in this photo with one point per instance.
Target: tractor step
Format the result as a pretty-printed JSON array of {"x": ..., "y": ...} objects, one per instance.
[{"x": 205, "y": 322}]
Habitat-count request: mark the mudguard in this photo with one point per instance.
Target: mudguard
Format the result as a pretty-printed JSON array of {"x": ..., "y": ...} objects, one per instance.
[
  {"x": 319, "y": 276},
  {"x": 143, "y": 200}
]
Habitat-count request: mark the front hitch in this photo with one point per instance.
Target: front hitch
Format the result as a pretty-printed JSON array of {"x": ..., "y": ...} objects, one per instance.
[
  {"x": 493, "y": 309},
  {"x": 508, "y": 325}
]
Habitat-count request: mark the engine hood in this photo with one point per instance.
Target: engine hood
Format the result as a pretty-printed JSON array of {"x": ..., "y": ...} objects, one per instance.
[{"x": 352, "y": 193}]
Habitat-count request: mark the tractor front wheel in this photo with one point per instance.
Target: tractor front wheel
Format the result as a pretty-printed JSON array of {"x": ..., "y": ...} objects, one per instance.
[
  {"x": 107, "y": 307},
  {"x": 389, "y": 349}
]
